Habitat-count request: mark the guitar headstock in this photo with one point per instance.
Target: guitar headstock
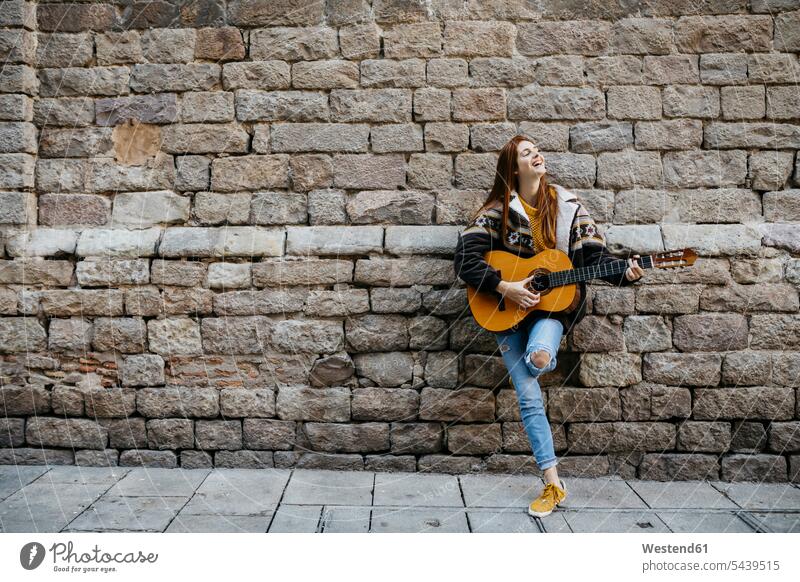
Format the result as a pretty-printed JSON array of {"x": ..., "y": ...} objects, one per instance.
[{"x": 670, "y": 259}]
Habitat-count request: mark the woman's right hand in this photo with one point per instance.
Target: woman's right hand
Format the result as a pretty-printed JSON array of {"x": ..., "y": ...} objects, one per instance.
[{"x": 518, "y": 292}]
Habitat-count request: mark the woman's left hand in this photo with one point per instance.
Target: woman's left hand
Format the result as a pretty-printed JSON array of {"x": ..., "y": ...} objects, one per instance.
[{"x": 634, "y": 270}]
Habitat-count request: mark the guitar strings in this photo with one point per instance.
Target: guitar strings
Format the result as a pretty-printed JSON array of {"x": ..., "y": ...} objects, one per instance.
[{"x": 559, "y": 278}]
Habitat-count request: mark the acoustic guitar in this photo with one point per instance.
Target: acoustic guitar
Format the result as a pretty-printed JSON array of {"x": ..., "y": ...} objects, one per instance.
[{"x": 555, "y": 279}]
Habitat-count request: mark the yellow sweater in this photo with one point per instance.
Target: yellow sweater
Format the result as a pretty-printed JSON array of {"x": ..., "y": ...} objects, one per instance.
[{"x": 536, "y": 226}]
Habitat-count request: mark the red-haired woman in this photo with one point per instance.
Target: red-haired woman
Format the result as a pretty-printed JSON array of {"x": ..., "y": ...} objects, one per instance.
[{"x": 524, "y": 214}]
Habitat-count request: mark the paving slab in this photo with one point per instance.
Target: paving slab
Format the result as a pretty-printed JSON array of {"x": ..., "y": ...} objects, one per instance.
[
  {"x": 554, "y": 523},
  {"x": 219, "y": 523},
  {"x": 328, "y": 487},
  {"x": 500, "y": 490},
  {"x": 238, "y": 492},
  {"x": 417, "y": 489},
  {"x": 46, "y": 507},
  {"x": 705, "y": 522},
  {"x": 761, "y": 495},
  {"x": 297, "y": 519},
  {"x": 500, "y": 521},
  {"x": 229, "y": 503},
  {"x": 600, "y": 493},
  {"x": 136, "y": 513},
  {"x": 681, "y": 495},
  {"x": 777, "y": 522},
  {"x": 620, "y": 521},
  {"x": 340, "y": 519},
  {"x": 156, "y": 481},
  {"x": 77, "y": 474},
  {"x": 13, "y": 478},
  {"x": 419, "y": 520}
]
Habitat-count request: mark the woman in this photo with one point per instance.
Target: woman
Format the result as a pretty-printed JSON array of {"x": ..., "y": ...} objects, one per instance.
[{"x": 524, "y": 214}]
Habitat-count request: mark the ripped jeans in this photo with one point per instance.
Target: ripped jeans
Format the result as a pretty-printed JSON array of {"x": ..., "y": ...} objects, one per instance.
[{"x": 516, "y": 347}]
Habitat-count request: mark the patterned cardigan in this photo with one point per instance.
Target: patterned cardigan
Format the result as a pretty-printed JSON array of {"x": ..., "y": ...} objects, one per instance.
[{"x": 576, "y": 234}]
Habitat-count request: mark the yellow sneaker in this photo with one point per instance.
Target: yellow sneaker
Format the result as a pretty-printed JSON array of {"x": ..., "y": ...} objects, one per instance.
[{"x": 548, "y": 499}]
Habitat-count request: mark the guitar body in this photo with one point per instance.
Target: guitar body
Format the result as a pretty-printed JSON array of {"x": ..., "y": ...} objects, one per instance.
[
  {"x": 559, "y": 292},
  {"x": 497, "y": 314}
]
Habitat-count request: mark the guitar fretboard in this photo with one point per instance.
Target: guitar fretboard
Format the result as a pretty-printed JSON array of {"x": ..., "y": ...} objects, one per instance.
[{"x": 570, "y": 276}]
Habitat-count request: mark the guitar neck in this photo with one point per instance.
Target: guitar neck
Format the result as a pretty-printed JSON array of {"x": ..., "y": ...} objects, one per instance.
[{"x": 570, "y": 276}]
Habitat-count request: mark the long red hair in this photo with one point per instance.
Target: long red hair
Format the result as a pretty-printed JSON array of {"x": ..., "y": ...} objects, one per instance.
[{"x": 546, "y": 201}]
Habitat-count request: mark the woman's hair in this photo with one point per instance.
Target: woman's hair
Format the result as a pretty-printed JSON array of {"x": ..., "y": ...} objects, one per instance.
[{"x": 546, "y": 201}]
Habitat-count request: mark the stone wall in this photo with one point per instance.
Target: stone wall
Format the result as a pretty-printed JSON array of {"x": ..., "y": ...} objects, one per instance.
[{"x": 227, "y": 232}]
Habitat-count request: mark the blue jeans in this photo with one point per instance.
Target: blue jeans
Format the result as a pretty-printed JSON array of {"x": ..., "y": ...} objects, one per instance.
[{"x": 516, "y": 347}]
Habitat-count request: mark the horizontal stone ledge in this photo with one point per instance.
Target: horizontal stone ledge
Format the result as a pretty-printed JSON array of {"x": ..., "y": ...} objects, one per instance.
[
  {"x": 222, "y": 241},
  {"x": 118, "y": 242},
  {"x": 334, "y": 240},
  {"x": 42, "y": 242},
  {"x": 421, "y": 240},
  {"x": 639, "y": 238},
  {"x": 782, "y": 235}
]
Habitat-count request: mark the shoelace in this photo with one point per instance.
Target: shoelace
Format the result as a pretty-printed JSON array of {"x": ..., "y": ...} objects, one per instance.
[{"x": 550, "y": 490}]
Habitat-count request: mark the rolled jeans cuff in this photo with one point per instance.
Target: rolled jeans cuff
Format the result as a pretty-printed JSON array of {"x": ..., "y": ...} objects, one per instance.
[{"x": 548, "y": 464}]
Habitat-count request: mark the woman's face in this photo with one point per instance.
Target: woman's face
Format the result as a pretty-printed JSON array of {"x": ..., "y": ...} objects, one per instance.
[{"x": 529, "y": 161}]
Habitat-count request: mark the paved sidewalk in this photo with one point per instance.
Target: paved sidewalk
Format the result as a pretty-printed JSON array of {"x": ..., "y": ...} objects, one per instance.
[{"x": 68, "y": 498}]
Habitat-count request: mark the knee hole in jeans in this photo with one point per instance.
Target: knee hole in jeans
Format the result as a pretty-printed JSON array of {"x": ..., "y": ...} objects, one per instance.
[
  {"x": 531, "y": 360},
  {"x": 540, "y": 358}
]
